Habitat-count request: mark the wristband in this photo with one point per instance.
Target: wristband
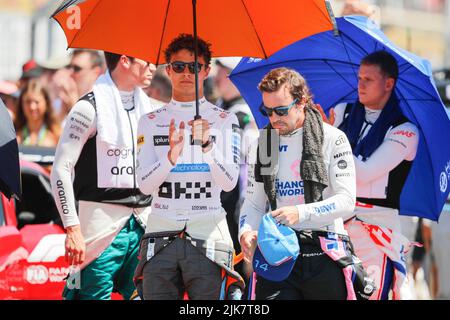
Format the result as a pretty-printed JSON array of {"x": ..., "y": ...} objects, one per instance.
[{"x": 206, "y": 144}]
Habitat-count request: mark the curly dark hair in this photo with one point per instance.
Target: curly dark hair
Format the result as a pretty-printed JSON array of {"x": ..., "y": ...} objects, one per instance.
[{"x": 186, "y": 41}]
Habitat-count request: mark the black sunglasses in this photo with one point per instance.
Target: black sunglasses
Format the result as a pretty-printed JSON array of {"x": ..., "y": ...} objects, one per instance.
[
  {"x": 280, "y": 111},
  {"x": 179, "y": 66},
  {"x": 74, "y": 67}
]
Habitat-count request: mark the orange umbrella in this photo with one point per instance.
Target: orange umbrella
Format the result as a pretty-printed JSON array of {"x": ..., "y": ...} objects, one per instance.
[{"x": 144, "y": 28}]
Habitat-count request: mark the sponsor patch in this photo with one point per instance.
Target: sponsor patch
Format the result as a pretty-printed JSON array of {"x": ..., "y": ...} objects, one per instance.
[
  {"x": 343, "y": 175},
  {"x": 160, "y": 141},
  {"x": 289, "y": 188},
  {"x": 405, "y": 133},
  {"x": 326, "y": 208},
  {"x": 140, "y": 140},
  {"x": 342, "y": 164},
  {"x": 187, "y": 190},
  {"x": 340, "y": 140},
  {"x": 74, "y": 137},
  {"x": 191, "y": 167},
  {"x": 342, "y": 154}
]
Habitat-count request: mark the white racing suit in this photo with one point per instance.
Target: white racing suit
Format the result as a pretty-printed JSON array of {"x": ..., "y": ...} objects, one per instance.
[
  {"x": 186, "y": 197},
  {"x": 376, "y": 232}
]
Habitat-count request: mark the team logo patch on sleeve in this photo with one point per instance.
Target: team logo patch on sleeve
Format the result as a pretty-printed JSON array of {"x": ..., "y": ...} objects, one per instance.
[{"x": 140, "y": 140}]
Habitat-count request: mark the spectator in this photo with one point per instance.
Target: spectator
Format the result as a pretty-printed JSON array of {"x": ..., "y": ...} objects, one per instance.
[
  {"x": 86, "y": 67},
  {"x": 36, "y": 123},
  {"x": 30, "y": 70},
  {"x": 161, "y": 88},
  {"x": 78, "y": 78}
]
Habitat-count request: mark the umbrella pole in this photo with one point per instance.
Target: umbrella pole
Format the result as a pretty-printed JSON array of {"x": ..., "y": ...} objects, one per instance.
[{"x": 194, "y": 8}]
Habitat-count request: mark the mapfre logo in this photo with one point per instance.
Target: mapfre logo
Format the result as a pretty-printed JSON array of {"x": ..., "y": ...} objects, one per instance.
[{"x": 37, "y": 274}]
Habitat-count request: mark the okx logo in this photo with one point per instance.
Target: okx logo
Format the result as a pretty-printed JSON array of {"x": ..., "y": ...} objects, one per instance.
[{"x": 187, "y": 190}]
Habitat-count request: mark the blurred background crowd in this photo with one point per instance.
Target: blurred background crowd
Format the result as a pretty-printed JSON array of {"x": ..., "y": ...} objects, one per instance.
[{"x": 40, "y": 81}]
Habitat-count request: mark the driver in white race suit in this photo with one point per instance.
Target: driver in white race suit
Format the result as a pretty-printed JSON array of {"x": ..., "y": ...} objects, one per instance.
[{"x": 185, "y": 164}]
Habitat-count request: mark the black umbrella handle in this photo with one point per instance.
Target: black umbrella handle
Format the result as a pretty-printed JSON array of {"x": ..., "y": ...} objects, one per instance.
[
  {"x": 194, "y": 13},
  {"x": 197, "y": 142}
]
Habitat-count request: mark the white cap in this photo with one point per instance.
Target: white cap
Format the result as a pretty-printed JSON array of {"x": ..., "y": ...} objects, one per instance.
[
  {"x": 228, "y": 62},
  {"x": 55, "y": 63}
]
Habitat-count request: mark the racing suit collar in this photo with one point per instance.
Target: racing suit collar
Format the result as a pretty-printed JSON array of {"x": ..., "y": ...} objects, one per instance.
[{"x": 186, "y": 105}]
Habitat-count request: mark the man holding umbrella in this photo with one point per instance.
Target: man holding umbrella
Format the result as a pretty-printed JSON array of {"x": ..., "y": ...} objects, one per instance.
[
  {"x": 95, "y": 165},
  {"x": 384, "y": 145},
  {"x": 185, "y": 164}
]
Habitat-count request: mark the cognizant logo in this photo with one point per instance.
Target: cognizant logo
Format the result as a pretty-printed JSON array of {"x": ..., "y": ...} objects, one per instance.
[{"x": 122, "y": 153}]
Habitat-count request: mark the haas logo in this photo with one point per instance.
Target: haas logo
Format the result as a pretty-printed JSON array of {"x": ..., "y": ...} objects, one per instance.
[{"x": 407, "y": 134}]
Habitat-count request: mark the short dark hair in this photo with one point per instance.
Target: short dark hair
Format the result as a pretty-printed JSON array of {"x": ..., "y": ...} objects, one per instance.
[
  {"x": 112, "y": 59},
  {"x": 95, "y": 56},
  {"x": 385, "y": 61},
  {"x": 186, "y": 41}
]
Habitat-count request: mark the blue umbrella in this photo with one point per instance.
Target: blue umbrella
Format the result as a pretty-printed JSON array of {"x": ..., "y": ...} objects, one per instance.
[
  {"x": 9, "y": 156},
  {"x": 330, "y": 65}
]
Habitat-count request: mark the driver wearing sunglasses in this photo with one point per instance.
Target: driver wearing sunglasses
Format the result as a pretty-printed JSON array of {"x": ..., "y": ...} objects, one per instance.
[
  {"x": 180, "y": 66},
  {"x": 186, "y": 180},
  {"x": 309, "y": 167}
]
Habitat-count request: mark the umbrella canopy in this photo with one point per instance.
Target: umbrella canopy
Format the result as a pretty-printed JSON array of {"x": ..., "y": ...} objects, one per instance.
[
  {"x": 9, "y": 160},
  {"x": 330, "y": 65},
  {"x": 144, "y": 28}
]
